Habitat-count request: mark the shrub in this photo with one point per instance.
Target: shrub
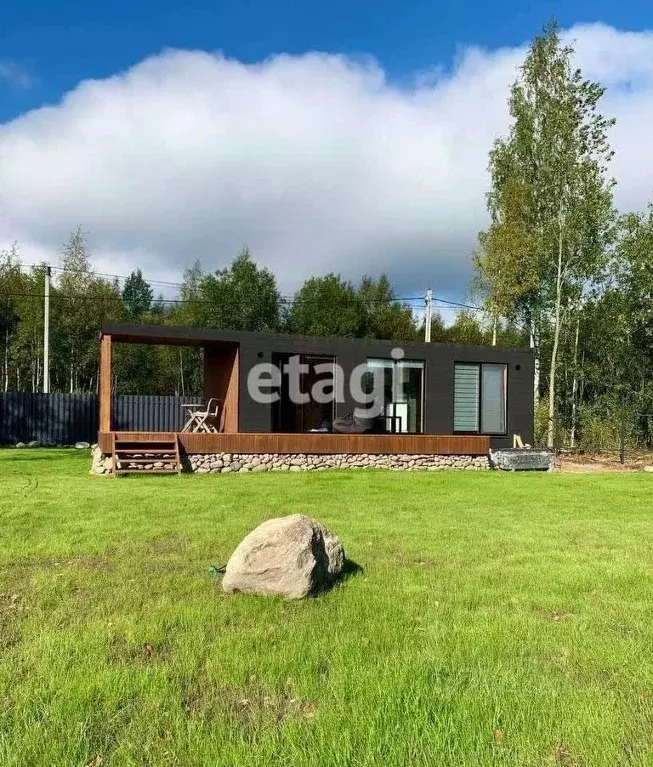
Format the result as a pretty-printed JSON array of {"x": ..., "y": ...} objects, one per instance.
[{"x": 561, "y": 435}]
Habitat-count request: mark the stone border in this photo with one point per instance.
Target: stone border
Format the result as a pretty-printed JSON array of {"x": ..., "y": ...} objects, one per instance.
[
  {"x": 229, "y": 463},
  {"x": 225, "y": 463}
]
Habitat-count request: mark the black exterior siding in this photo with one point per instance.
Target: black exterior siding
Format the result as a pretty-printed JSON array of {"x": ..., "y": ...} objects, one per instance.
[{"x": 439, "y": 362}]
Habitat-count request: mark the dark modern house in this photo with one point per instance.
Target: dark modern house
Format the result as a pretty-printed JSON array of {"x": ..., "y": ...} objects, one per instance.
[{"x": 292, "y": 394}]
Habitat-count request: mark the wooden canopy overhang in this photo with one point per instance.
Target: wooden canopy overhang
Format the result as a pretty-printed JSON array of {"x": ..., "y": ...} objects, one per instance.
[{"x": 221, "y": 363}]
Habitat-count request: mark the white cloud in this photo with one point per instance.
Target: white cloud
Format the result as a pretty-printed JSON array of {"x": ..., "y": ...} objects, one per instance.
[{"x": 315, "y": 161}]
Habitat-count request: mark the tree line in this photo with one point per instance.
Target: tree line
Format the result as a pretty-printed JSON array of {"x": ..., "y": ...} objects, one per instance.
[{"x": 243, "y": 296}]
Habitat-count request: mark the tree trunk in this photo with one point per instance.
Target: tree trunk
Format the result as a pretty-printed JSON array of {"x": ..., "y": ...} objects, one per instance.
[
  {"x": 535, "y": 346},
  {"x": 574, "y": 387},
  {"x": 495, "y": 322},
  {"x": 550, "y": 435},
  {"x": 181, "y": 373}
]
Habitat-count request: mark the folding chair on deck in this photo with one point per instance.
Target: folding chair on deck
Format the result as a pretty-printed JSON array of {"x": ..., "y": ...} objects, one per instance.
[{"x": 203, "y": 420}]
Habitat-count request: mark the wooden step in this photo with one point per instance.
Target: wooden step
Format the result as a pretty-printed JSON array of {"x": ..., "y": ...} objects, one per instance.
[
  {"x": 142, "y": 447},
  {"x": 146, "y": 471},
  {"x": 149, "y": 451},
  {"x": 139, "y": 457}
]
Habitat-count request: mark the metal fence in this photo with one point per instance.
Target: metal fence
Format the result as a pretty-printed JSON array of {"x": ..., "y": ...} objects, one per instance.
[{"x": 63, "y": 419}]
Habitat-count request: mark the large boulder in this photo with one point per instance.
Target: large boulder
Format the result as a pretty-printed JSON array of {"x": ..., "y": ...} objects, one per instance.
[{"x": 290, "y": 556}]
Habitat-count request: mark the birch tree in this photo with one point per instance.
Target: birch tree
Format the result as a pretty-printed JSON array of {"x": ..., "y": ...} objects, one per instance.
[{"x": 550, "y": 192}]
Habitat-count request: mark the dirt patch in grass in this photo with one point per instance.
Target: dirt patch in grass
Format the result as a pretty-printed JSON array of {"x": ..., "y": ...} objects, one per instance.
[
  {"x": 167, "y": 544},
  {"x": 12, "y": 610},
  {"x": 87, "y": 562},
  {"x": 584, "y": 463},
  {"x": 252, "y": 706},
  {"x": 556, "y": 615},
  {"x": 27, "y": 567},
  {"x": 14, "y": 605},
  {"x": 124, "y": 652},
  {"x": 562, "y": 755},
  {"x": 417, "y": 561}
]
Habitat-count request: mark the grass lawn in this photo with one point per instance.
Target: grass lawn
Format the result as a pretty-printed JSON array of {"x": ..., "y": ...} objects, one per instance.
[{"x": 500, "y": 619}]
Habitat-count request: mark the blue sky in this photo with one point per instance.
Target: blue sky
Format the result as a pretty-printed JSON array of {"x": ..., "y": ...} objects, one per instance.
[
  {"x": 335, "y": 161},
  {"x": 52, "y": 45}
]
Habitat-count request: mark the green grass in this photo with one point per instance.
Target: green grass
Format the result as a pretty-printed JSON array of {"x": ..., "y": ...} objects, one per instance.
[{"x": 500, "y": 619}]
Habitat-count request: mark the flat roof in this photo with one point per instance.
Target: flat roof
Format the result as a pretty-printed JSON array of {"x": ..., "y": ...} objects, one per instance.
[{"x": 186, "y": 336}]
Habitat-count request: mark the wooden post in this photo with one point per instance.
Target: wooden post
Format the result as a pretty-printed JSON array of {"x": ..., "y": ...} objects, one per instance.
[{"x": 105, "y": 384}]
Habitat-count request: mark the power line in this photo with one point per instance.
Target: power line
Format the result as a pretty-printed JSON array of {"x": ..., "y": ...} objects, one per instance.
[
  {"x": 92, "y": 273},
  {"x": 286, "y": 299}
]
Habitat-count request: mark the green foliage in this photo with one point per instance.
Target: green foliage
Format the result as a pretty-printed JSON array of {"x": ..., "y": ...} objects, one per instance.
[
  {"x": 550, "y": 201},
  {"x": 385, "y": 318},
  {"x": 327, "y": 306},
  {"x": 469, "y": 327},
  {"x": 137, "y": 295},
  {"x": 601, "y": 427},
  {"x": 331, "y": 306},
  {"x": 242, "y": 297},
  {"x": 541, "y": 426},
  {"x": 83, "y": 301}
]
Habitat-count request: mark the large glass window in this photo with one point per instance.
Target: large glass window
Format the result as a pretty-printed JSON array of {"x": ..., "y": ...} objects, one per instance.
[
  {"x": 480, "y": 398},
  {"x": 402, "y": 383}
]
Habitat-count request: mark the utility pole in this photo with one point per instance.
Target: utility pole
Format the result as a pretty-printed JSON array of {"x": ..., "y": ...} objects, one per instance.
[
  {"x": 46, "y": 333},
  {"x": 427, "y": 326}
]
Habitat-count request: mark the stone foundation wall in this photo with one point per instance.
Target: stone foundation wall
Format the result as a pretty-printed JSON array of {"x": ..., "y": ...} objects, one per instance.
[
  {"x": 224, "y": 463},
  {"x": 100, "y": 463}
]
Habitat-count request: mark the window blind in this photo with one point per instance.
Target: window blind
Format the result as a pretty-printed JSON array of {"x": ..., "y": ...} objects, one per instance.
[{"x": 465, "y": 397}]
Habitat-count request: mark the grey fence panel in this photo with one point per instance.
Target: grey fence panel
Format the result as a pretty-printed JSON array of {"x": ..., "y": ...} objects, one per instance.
[
  {"x": 57, "y": 419},
  {"x": 63, "y": 419},
  {"x": 15, "y": 417},
  {"x": 135, "y": 412}
]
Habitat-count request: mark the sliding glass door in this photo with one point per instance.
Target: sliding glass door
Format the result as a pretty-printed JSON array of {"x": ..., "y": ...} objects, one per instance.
[
  {"x": 402, "y": 385},
  {"x": 308, "y": 414}
]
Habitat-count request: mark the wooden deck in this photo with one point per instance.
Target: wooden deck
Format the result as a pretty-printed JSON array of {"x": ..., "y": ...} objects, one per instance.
[{"x": 264, "y": 442}]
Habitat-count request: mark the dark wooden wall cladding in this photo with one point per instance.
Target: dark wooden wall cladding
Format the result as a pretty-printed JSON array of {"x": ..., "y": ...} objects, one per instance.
[
  {"x": 221, "y": 380},
  {"x": 414, "y": 444}
]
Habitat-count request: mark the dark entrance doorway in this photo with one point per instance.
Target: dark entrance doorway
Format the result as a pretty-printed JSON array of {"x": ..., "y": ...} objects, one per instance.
[{"x": 312, "y": 415}]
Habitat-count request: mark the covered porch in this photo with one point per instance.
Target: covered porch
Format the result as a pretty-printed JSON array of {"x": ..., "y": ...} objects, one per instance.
[{"x": 220, "y": 382}]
